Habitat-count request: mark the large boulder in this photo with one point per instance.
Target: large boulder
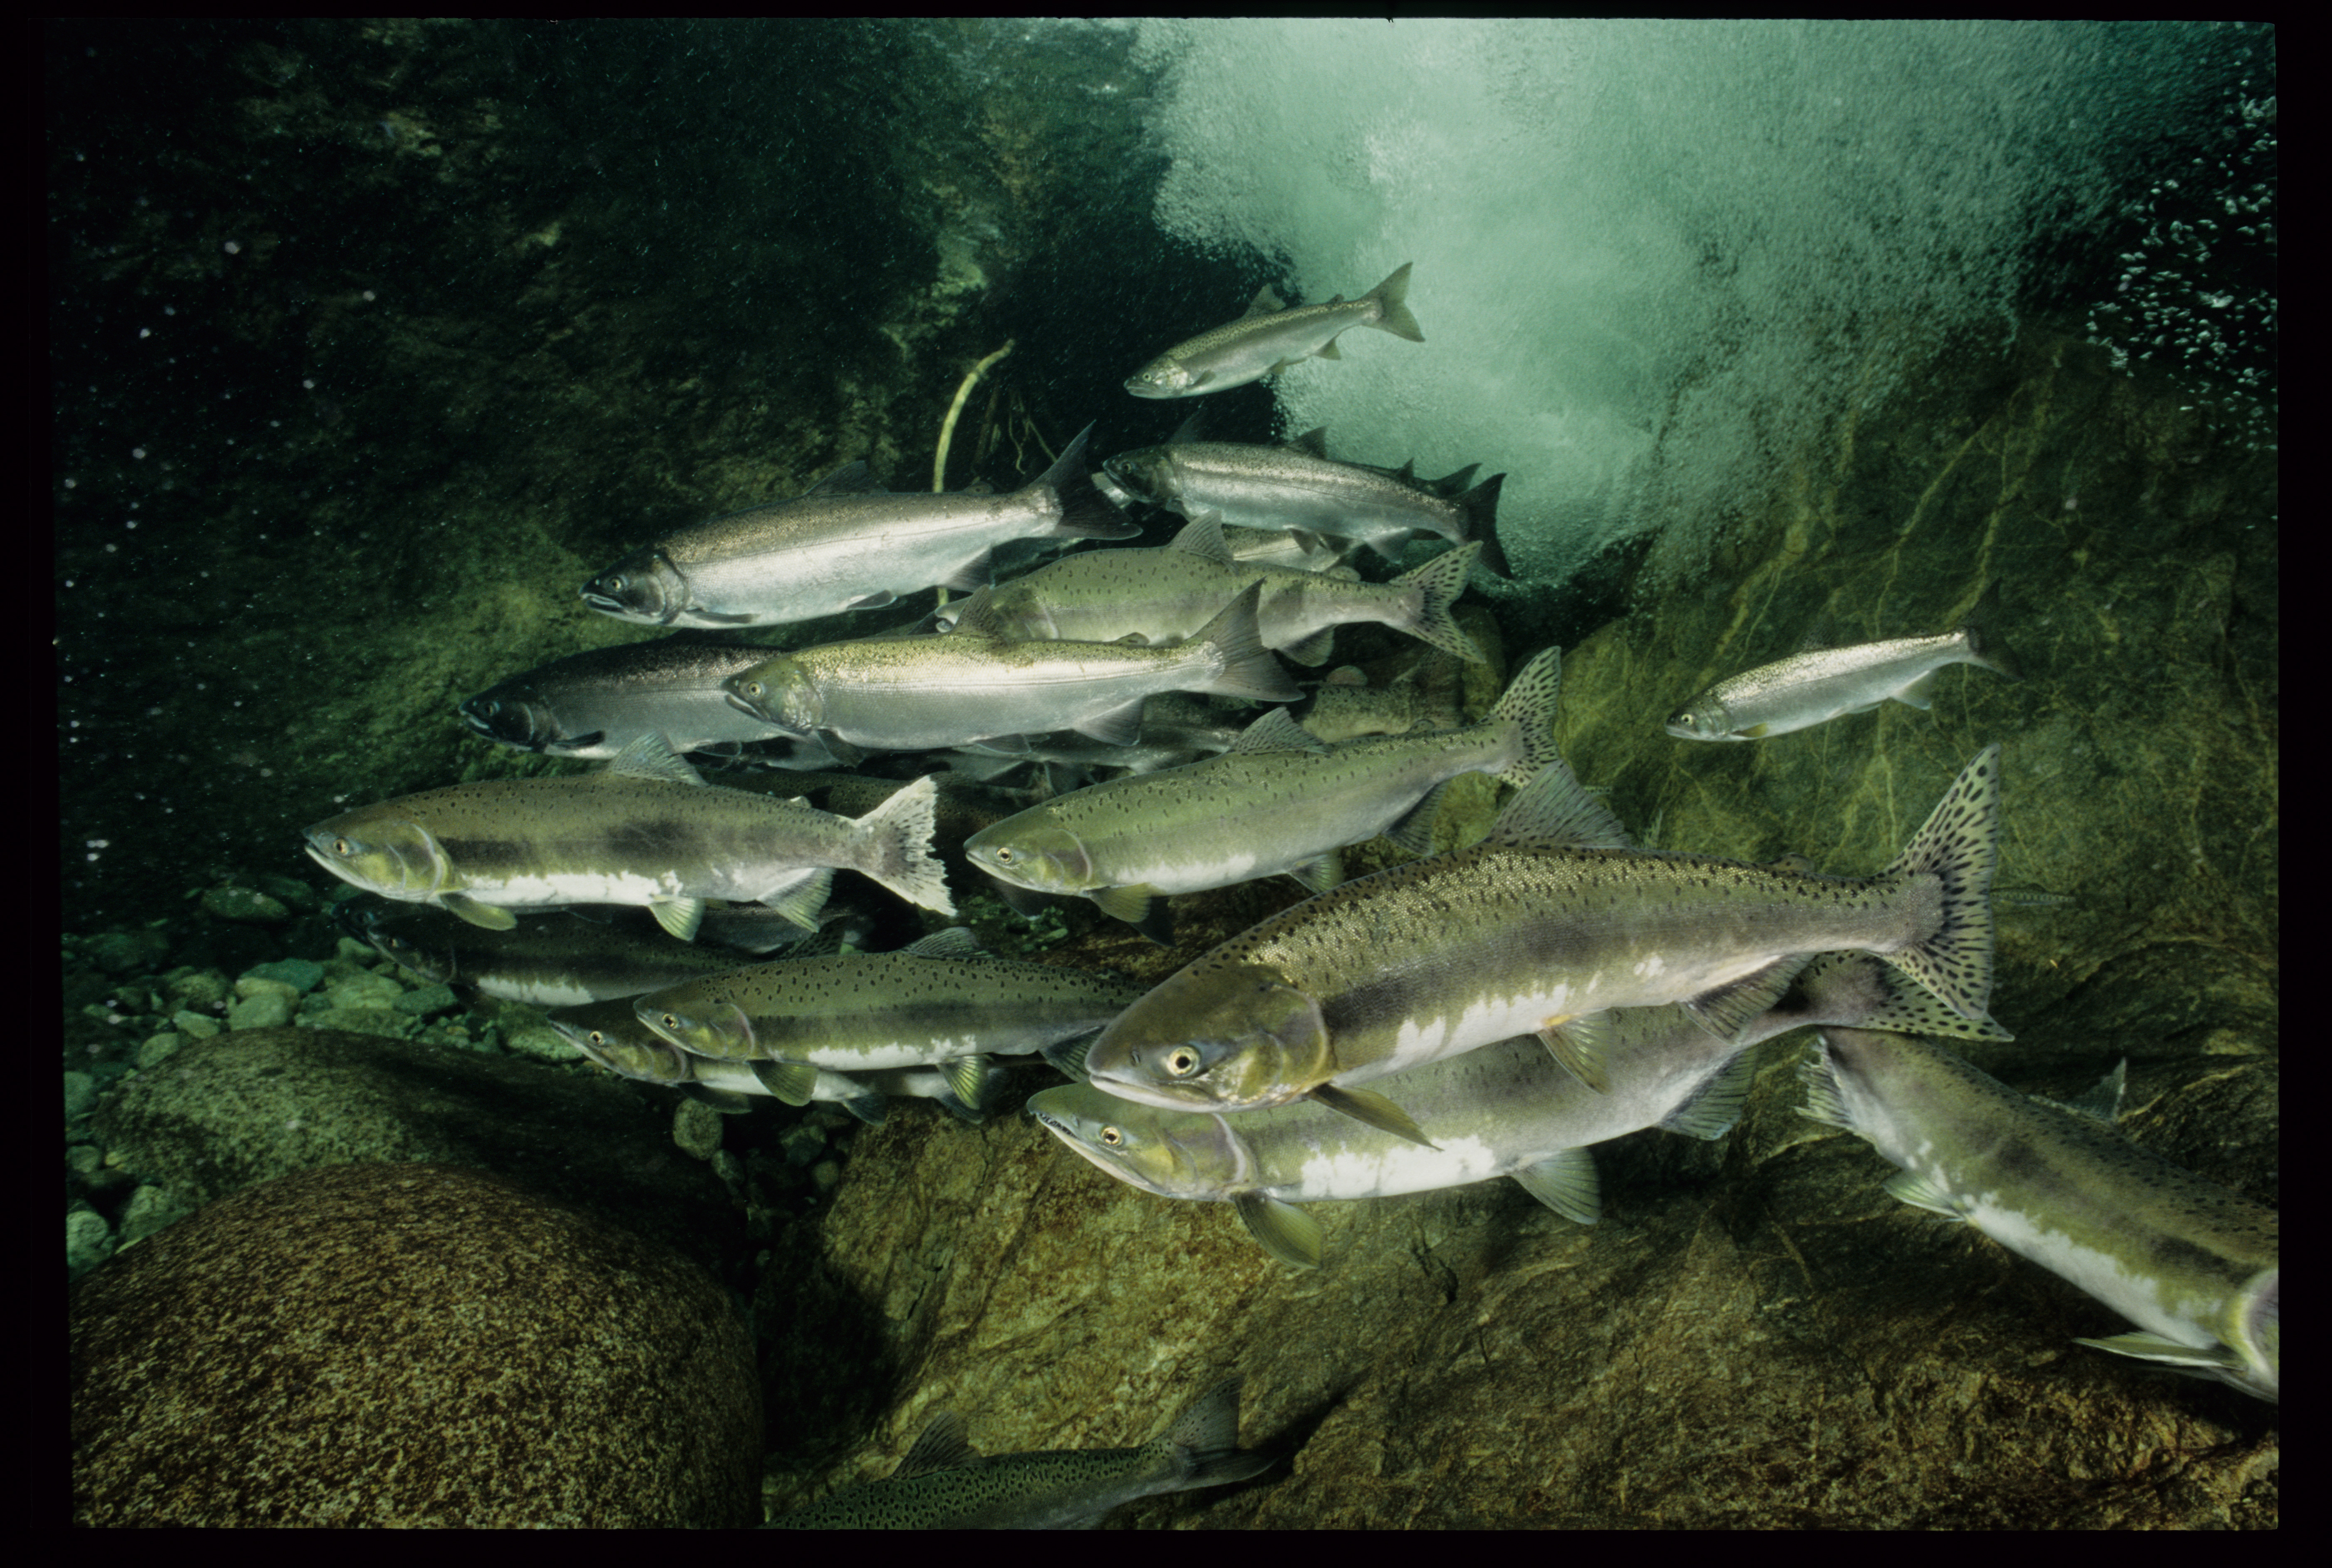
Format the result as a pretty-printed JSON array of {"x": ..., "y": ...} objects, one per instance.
[{"x": 383, "y": 1344}]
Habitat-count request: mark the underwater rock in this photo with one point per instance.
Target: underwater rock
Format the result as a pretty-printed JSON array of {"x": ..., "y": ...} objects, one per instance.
[
  {"x": 226, "y": 1112},
  {"x": 243, "y": 903},
  {"x": 408, "y": 1345}
]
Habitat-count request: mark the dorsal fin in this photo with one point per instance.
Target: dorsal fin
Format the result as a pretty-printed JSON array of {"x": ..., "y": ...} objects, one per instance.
[
  {"x": 1313, "y": 441},
  {"x": 955, "y": 941},
  {"x": 850, "y": 479},
  {"x": 1276, "y": 731},
  {"x": 942, "y": 1447},
  {"x": 1265, "y": 302},
  {"x": 1202, "y": 536}
]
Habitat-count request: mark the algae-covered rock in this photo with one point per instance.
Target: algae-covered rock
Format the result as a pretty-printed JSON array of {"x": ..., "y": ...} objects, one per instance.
[
  {"x": 243, "y": 903},
  {"x": 408, "y": 1345}
]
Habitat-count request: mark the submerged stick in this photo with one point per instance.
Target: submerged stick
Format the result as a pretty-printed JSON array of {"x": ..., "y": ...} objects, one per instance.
[{"x": 947, "y": 426}]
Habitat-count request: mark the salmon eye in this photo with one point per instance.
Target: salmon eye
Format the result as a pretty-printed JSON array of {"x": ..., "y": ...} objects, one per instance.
[
  {"x": 340, "y": 847},
  {"x": 1181, "y": 1063},
  {"x": 1004, "y": 857},
  {"x": 671, "y": 1021},
  {"x": 1111, "y": 1136}
]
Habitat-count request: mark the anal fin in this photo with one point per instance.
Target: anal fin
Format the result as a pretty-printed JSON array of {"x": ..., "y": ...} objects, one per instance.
[
  {"x": 1567, "y": 1183},
  {"x": 1281, "y": 1229}
]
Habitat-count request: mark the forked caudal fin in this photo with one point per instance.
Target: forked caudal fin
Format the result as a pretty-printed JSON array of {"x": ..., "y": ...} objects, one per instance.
[
  {"x": 900, "y": 834},
  {"x": 1529, "y": 700},
  {"x": 1960, "y": 846},
  {"x": 1439, "y": 583}
]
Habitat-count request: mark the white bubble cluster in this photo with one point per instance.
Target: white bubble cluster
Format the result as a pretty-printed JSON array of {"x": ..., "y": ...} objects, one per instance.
[{"x": 1654, "y": 261}]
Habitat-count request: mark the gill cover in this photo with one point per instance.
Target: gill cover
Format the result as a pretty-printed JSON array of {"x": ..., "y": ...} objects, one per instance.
[
  {"x": 393, "y": 856},
  {"x": 641, "y": 587},
  {"x": 779, "y": 691},
  {"x": 1172, "y": 1155},
  {"x": 1230, "y": 1038},
  {"x": 1048, "y": 858}
]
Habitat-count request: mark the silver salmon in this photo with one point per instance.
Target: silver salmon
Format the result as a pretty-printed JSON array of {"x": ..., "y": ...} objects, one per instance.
[
  {"x": 1823, "y": 683},
  {"x": 647, "y": 830},
  {"x": 942, "y": 1002},
  {"x": 1299, "y": 486},
  {"x": 1270, "y": 338},
  {"x": 548, "y": 960},
  {"x": 1161, "y": 597},
  {"x": 847, "y": 544},
  {"x": 611, "y": 1035},
  {"x": 1505, "y": 1110},
  {"x": 928, "y": 693},
  {"x": 594, "y": 703}
]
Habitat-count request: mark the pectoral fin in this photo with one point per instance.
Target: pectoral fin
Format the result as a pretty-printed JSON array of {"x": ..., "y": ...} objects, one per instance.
[
  {"x": 966, "y": 1076},
  {"x": 1368, "y": 1105},
  {"x": 791, "y": 1082},
  {"x": 492, "y": 916},
  {"x": 1021, "y": 900},
  {"x": 1919, "y": 1192},
  {"x": 1141, "y": 906},
  {"x": 1577, "y": 1042},
  {"x": 680, "y": 917}
]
